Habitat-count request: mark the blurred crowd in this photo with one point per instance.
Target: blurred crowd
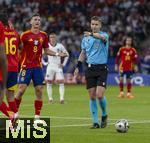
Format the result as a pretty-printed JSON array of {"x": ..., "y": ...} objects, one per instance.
[{"x": 69, "y": 18}]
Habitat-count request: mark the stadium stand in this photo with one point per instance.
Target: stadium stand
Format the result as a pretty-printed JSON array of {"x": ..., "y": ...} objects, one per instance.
[{"x": 68, "y": 18}]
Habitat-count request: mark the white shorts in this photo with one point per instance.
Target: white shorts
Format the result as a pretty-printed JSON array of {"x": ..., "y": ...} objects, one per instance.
[{"x": 54, "y": 72}]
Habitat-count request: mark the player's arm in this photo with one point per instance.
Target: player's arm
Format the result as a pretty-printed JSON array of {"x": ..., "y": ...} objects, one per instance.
[
  {"x": 117, "y": 60},
  {"x": 65, "y": 61},
  {"x": 95, "y": 35},
  {"x": 3, "y": 64},
  {"x": 135, "y": 56},
  {"x": 66, "y": 58},
  {"x": 44, "y": 62},
  {"x": 135, "y": 60},
  {"x": 82, "y": 56},
  {"x": 52, "y": 53},
  {"x": 81, "y": 59}
]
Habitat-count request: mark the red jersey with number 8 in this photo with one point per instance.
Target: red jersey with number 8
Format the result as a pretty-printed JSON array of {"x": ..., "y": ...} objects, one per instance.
[{"x": 33, "y": 44}]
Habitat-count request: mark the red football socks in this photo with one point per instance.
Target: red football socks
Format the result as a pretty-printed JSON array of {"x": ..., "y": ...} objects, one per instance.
[
  {"x": 129, "y": 86},
  {"x": 18, "y": 101},
  {"x": 121, "y": 86},
  {"x": 5, "y": 109},
  {"x": 38, "y": 105},
  {"x": 12, "y": 106}
]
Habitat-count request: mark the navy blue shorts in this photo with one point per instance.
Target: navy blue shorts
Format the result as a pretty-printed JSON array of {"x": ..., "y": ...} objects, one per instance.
[
  {"x": 36, "y": 74},
  {"x": 128, "y": 74},
  {"x": 12, "y": 80}
]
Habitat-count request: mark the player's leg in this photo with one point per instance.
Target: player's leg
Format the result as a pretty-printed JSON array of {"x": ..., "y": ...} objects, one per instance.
[
  {"x": 129, "y": 85},
  {"x": 38, "y": 79},
  {"x": 21, "y": 90},
  {"x": 60, "y": 81},
  {"x": 101, "y": 86},
  {"x": 11, "y": 87},
  {"x": 24, "y": 80},
  {"x": 91, "y": 86},
  {"x": 38, "y": 103},
  {"x": 50, "y": 74},
  {"x": 49, "y": 91},
  {"x": 103, "y": 104},
  {"x": 121, "y": 85},
  {"x": 3, "y": 107},
  {"x": 11, "y": 101}
]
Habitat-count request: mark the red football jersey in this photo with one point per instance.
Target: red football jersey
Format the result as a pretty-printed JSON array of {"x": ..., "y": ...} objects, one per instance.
[
  {"x": 126, "y": 57},
  {"x": 1, "y": 33},
  {"x": 1, "y": 41},
  {"x": 31, "y": 54},
  {"x": 12, "y": 41}
]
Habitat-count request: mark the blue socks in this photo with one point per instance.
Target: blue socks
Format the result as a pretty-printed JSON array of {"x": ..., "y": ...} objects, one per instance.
[
  {"x": 102, "y": 102},
  {"x": 94, "y": 110}
]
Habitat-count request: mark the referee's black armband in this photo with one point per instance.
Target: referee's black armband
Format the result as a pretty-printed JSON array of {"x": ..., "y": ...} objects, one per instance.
[{"x": 79, "y": 64}]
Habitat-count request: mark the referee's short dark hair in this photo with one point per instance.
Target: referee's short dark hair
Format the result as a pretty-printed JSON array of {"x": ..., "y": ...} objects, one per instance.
[{"x": 96, "y": 18}]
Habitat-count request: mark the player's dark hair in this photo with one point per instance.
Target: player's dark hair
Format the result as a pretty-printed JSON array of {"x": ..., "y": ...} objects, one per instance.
[
  {"x": 35, "y": 14},
  {"x": 96, "y": 18},
  {"x": 132, "y": 44},
  {"x": 52, "y": 33},
  {"x": 4, "y": 17}
]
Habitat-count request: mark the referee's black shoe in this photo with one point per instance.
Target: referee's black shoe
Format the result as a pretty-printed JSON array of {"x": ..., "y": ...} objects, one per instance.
[
  {"x": 95, "y": 126},
  {"x": 104, "y": 121}
]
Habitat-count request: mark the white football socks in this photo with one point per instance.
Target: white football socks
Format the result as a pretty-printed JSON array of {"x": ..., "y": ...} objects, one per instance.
[
  {"x": 61, "y": 91},
  {"x": 49, "y": 91}
]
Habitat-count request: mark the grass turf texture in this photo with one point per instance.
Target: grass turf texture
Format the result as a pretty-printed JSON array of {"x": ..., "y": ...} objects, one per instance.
[{"x": 70, "y": 122}]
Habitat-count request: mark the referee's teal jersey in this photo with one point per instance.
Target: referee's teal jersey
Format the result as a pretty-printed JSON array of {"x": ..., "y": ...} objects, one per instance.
[{"x": 96, "y": 49}]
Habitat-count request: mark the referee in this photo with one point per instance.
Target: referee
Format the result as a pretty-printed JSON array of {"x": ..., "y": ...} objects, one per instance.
[{"x": 94, "y": 47}]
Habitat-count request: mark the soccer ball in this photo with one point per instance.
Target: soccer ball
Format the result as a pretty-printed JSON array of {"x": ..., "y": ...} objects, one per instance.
[{"x": 122, "y": 126}]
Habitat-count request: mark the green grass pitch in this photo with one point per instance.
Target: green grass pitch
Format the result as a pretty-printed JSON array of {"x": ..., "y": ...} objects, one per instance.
[{"x": 71, "y": 121}]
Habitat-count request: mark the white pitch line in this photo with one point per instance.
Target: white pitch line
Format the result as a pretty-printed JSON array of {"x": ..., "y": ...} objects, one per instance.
[
  {"x": 81, "y": 118},
  {"x": 61, "y": 117},
  {"x": 140, "y": 122},
  {"x": 74, "y": 125},
  {"x": 88, "y": 118},
  {"x": 75, "y": 118},
  {"x": 78, "y": 118},
  {"x": 82, "y": 125}
]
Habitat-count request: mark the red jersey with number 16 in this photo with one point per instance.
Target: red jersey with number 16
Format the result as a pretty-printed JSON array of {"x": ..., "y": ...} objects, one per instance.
[
  {"x": 12, "y": 41},
  {"x": 1, "y": 41},
  {"x": 33, "y": 44},
  {"x": 1, "y": 33}
]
